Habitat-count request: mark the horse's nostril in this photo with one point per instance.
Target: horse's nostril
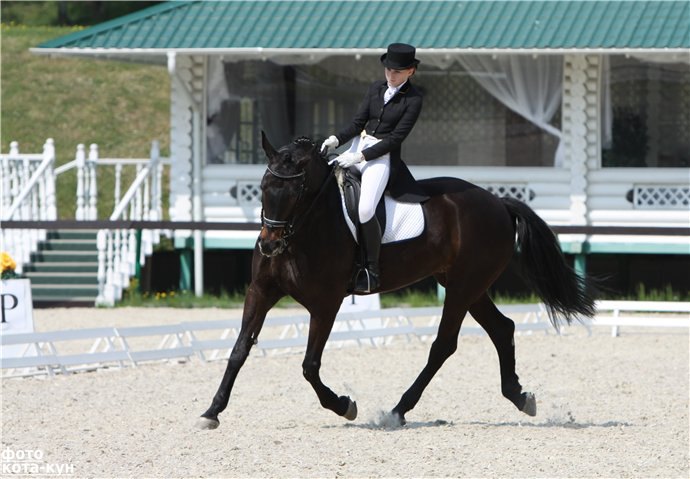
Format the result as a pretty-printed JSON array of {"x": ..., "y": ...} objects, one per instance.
[{"x": 271, "y": 248}]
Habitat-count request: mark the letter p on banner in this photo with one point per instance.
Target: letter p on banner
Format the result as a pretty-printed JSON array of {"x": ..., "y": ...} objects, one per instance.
[{"x": 16, "y": 310}]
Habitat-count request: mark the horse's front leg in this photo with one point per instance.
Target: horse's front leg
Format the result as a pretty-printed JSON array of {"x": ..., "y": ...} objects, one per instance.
[
  {"x": 256, "y": 305},
  {"x": 319, "y": 329}
]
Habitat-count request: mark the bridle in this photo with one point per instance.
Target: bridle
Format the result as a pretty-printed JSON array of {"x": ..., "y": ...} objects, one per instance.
[
  {"x": 286, "y": 224},
  {"x": 292, "y": 225}
]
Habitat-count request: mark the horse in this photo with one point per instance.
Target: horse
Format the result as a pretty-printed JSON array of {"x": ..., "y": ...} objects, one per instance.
[{"x": 470, "y": 235}]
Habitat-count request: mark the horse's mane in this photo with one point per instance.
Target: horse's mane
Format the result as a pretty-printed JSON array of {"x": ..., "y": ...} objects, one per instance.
[{"x": 303, "y": 141}]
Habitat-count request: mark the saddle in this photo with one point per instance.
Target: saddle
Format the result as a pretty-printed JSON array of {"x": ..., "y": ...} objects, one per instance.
[
  {"x": 398, "y": 221},
  {"x": 352, "y": 188}
]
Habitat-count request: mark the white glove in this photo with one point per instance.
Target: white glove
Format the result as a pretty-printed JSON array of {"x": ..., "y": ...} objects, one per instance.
[
  {"x": 348, "y": 159},
  {"x": 331, "y": 142}
]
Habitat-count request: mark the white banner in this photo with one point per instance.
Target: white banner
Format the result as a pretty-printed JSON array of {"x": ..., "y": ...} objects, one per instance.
[{"x": 16, "y": 308}]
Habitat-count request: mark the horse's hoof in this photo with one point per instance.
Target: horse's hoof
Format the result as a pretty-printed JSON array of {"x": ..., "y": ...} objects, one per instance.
[
  {"x": 351, "y": 413},
  {"x": 206, "y": 423},
  {"x": 398, "y": 419},
  {"x": 530, "y": 406}
]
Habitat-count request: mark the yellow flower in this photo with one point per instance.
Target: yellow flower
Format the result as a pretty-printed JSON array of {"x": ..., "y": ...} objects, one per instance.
[{"x": 6, "y": 262}]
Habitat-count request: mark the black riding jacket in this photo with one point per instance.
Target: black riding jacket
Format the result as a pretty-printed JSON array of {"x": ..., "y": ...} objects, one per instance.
[{"x": 391, "y": 123}]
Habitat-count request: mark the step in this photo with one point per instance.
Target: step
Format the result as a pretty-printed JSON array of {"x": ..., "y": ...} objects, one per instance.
[
  {"x": 68, "y": 245},
  {"x": 42, "y": 291},
  {"x": 61, "y": 267},
  {"x": 62, "y": 278},
  {"x": 59, "y": 302},
  {"x": 65, "y": 256},
  {"x": 73, "y": 234}
]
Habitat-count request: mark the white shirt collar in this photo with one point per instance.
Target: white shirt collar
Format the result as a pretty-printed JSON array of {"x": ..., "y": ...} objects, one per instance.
[{"x": 397, "y": 88}]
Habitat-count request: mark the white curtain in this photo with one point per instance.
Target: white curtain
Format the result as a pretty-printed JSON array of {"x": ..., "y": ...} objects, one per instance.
[
  {"x": 217, "y": 94},
  {"x": 531, "y": 87}
]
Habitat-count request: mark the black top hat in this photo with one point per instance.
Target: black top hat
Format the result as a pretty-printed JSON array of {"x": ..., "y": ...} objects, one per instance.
[{"x": 399, "y": 56}]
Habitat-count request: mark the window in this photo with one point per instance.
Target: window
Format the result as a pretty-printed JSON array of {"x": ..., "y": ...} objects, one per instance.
[
  {"x": 461, "y": 123},
  {"x": 646, "y": 118}
]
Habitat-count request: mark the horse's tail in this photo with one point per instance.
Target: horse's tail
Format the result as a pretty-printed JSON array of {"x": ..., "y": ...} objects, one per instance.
[{"x": 565, "y": 293}]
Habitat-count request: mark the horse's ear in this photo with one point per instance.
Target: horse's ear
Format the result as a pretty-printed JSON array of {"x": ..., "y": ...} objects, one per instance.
[{"x": 268, "y": 148}]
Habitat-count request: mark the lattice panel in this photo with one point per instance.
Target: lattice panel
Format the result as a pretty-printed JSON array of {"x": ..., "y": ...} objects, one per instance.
[
  {"x": 455, "y": 105},
  {"x": 661, "y": 197},
  {"x": 248, "y": 192},
  {"x": 519, "y": 192}
]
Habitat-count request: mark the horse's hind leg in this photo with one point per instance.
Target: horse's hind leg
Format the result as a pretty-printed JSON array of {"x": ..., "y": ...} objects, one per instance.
[
  {"x": 256, "y": 305},
  {"x": 445, "y": 344},
  {"x": 501, "y": 331}
]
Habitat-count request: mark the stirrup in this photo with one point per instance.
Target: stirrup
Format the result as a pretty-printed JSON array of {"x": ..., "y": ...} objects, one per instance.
[{"x": 366, "y": 281}]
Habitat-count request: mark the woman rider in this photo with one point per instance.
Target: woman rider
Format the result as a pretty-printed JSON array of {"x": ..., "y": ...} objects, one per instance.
[{"x": 385, "y": 117}]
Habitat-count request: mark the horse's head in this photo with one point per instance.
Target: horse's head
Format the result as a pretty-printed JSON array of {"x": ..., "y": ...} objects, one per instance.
[{"x": 289, "y": 179}]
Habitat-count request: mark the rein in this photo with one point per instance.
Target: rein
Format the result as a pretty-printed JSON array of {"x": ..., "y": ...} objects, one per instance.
[{"x": 292, "y": 226}]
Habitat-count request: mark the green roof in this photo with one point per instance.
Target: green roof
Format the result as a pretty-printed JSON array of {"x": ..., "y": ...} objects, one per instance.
[{"x": 470, "y": 25}]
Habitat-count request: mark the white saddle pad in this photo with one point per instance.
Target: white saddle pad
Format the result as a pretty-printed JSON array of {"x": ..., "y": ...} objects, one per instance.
[{"x": 403, "y": 220}]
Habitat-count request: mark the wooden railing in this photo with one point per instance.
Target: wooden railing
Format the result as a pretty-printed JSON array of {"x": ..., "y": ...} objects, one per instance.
[{"x": 28, "y": 193}]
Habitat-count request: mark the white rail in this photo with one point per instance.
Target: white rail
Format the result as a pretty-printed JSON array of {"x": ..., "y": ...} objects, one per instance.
[
  {"x": 212, "y": 340},
  {"x": 616, "y": 314}
]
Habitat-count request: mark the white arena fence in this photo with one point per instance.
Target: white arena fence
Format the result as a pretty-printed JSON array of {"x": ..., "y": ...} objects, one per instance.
[{"x": 54, "y": 352}]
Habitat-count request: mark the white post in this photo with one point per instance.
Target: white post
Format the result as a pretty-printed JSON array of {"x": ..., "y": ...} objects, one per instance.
[
  {"x": 137, "y": 203},
  {"x": 102, "y": 243},
  {"x": 152, "y": 237},
  {"x": 197, "y": 212},
  {"x": 14, "y": 172},
  {"x": 5, "y": 202},
  {"x": 14, "y": 246},
  {"x": 24, "y": 245},
  {"x": 118, "y": 181},
  {"x": 93, "y": 186},
  {"x": 49, "y": 153},
  {"x": 109, "y": 288},
  {"x": 155, "y": 182},
  {"x": 81, "y": 162},
  {"x": 25, "y": 206},
  {"x": 197, "y": 209},
  {"x": 146, "y": 204},
  {"x": 5, "y": 173}
]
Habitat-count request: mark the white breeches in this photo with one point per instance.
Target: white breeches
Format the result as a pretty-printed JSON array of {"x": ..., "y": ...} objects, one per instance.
[{"x": 374, "y": 174}]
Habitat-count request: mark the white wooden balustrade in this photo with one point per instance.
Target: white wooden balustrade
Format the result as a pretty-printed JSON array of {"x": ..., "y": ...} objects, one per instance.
[
  {"x": 117, "y": 248},
  {"x": 28, "y": 186},
  {"x": 27, "y": 193}
]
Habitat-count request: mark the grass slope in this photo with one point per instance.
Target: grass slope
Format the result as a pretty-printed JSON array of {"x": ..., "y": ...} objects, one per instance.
[{"x": 119, "y": 106}]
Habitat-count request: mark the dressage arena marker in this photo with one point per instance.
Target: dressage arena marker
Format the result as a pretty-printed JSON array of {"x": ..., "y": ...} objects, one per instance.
[{"x": 118, "y": 347}]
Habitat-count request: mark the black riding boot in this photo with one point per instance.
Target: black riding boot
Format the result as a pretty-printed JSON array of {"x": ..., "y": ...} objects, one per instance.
[{"x": 368, "y": 279}]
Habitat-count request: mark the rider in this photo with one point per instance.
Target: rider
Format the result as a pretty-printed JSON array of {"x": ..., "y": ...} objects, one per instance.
[{"x": 386, "y": 116}]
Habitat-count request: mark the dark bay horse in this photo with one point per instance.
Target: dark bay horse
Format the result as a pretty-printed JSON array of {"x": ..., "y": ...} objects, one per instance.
[{"x": 305, "y": 250}]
